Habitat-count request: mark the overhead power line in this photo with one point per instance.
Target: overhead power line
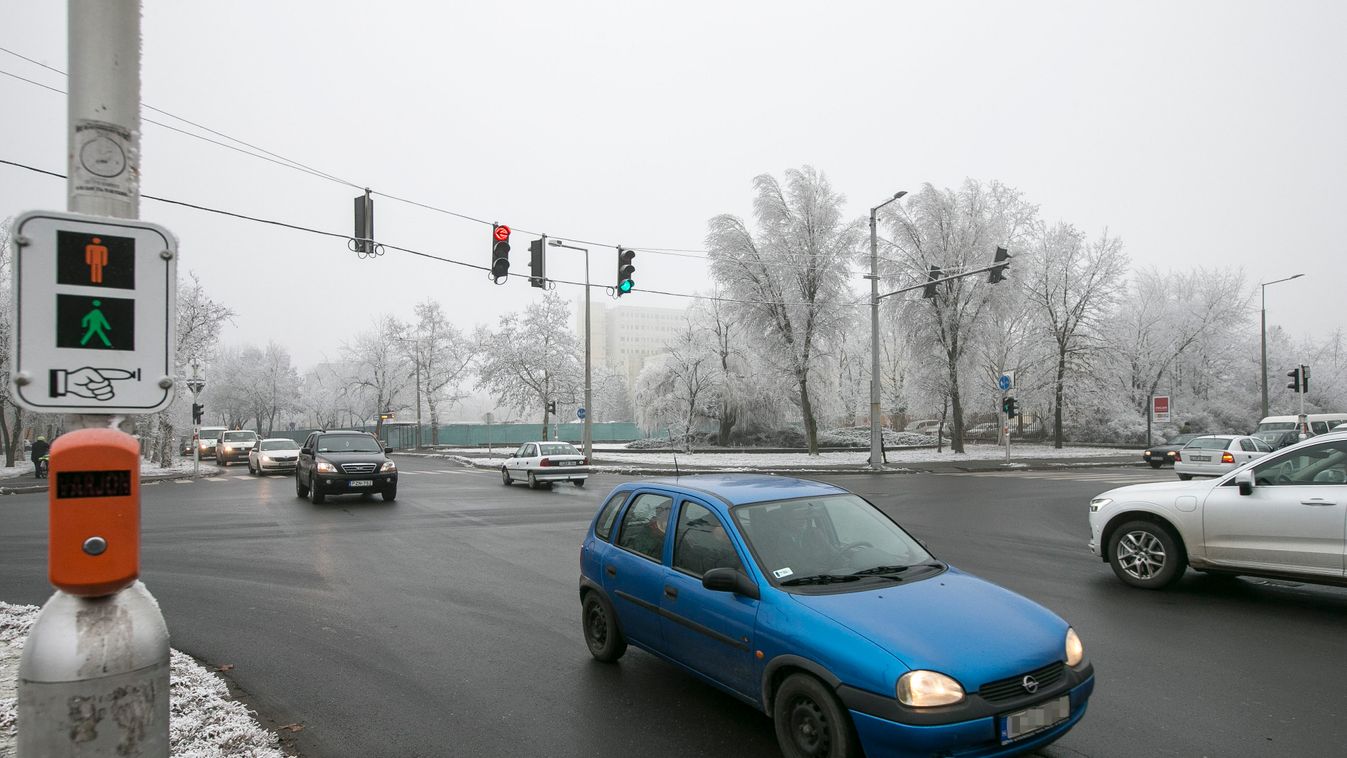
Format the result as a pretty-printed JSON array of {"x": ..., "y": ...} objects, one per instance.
[{"x": 413, "y": 251}]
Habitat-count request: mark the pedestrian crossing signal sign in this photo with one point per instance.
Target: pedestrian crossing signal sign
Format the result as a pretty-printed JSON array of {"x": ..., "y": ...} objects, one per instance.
[{"x": 95, "y": 323}]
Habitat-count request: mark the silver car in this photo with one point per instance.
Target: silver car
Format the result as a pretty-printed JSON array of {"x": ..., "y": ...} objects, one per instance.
[
  {"x": 274, "y": 454},
  {"x": 1217, "y": 454},
  {"x": 1281, "y": 516},
  {"x": 542, "y": 463},
  {"x": 234, "y": 445}
]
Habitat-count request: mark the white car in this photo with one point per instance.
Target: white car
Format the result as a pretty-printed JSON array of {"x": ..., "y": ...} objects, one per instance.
[
  {"x": 1216, "y": 454},
  {"x": 1282, "y": 516},
  {"x": 542, "y": 463},
  {"x": 273, "y": 454},
  {"x": 234, "y": 445}
]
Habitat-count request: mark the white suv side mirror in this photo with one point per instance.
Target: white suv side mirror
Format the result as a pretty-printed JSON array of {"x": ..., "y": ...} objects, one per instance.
[{"x": 1244, "y": 480}]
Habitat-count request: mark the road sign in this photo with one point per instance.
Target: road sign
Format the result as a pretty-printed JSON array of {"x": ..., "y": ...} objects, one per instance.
[
  {"x": 580, "y": 413},
  {"x": 1160, "y": 408},
  {"x": 95, "y": 314},
  {"x": 1007, "y": 381}
]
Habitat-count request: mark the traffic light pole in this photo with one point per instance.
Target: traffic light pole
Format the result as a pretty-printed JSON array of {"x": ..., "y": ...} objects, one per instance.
[
  {"x": 94, "y": 675},
  {"x": 876, "y": 430},
  {"x": 587, "y": 436}
]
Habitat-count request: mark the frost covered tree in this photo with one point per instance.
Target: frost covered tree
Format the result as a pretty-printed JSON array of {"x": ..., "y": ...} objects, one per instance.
[
  {"x": 531, "y": 358},
  {"x": 955, "y": 231},
  {"x": 1072, "y": 285},
  {"x": 12, "y": 417},
  {"x": 442, "y": 356},
  {"x": 791, "y": 275},
  {"x": 379, "y": 367}
]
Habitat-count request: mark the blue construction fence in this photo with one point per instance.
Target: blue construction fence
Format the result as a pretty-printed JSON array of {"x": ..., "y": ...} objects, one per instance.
[{"x": 401, "y": 436}]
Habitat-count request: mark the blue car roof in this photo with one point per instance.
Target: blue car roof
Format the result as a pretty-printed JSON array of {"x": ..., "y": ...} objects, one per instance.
[{"x": 741, "y": 489}]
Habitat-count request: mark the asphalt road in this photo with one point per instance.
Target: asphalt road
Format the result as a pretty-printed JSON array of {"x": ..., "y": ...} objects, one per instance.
[{"x": 447, "y": 623}]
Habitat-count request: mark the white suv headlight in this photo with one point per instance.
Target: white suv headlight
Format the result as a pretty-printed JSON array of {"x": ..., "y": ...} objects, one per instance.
[
  {"x": 1098, "y": 503},
  {"x": 1075, "y": 649},
  {"x": 926, "y": 689}
]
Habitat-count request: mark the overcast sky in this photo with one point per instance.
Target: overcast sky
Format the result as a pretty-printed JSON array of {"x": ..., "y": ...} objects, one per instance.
[{"x": 1206, "y": 134}]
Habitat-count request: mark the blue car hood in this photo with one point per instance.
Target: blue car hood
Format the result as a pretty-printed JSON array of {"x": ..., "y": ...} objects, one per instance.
[{"x": 954, "y": 623}]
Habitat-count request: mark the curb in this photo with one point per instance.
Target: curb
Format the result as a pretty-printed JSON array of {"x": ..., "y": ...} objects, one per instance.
[
  {"x": 952, "y": 467},
  {"x": 35, "y": 488}
]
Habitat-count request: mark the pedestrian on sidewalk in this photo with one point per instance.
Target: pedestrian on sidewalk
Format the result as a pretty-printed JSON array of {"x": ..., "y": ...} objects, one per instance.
[{"x": 40, "y": 449}]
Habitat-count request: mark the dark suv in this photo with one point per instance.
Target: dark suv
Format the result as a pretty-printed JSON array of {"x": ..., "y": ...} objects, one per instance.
[{"x": 344, "y": 463}]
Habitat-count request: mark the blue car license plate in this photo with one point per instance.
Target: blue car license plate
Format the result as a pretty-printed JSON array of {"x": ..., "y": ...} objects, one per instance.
[
  {"x": 361, "y": 483},
  {"x": 1030, "y": 720}
]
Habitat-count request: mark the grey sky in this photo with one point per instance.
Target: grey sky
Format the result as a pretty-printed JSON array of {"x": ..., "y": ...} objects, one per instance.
[{"x": 1201, "y": 133}]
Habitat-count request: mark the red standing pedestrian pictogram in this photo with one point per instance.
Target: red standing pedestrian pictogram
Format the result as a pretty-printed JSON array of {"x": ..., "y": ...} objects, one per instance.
[{"x": 96, "y": 255}]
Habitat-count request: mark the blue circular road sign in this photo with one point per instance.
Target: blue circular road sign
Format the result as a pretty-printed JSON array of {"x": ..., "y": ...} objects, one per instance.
[
  {"x": 1004, "y": 382},
  {"x": 580, "y": 413}
]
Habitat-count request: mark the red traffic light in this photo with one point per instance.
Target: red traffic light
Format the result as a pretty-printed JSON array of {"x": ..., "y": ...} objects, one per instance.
[{"x": 502, "y": 232}]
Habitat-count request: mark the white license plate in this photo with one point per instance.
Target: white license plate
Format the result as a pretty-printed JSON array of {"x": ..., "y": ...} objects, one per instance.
[
  {"x": 361, "y": 483},
  {"x": 1203, "y": 458},
  {"x": 1030, "y": 720},
  {"x": 565, "y": 463}
]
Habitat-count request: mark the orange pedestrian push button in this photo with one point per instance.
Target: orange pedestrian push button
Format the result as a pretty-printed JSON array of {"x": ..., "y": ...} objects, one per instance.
[{"x": 94, "y": 511}]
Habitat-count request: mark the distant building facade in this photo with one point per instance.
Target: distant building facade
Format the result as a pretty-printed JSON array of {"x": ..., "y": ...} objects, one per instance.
[{"x": 626, "y": 336}]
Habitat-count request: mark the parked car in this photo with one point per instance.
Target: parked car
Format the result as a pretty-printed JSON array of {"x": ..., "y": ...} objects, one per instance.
[
  {"x": 344, "y": 463},
  {"x": 928, "y": 426},
  {"x": 1278, "y": 516},
  {"x": 234, "y": 445},
  {"x": 207, "y": 437},
  {"x": 1278, "y": 439},
  {"x": 812, "y": 605},
  {"x": 273, "y": 454},
  {"x": 542, "y": 463},
  {"x": 985, "y": 431},
  {"x": 1159, "y": 455},
  {"x": 1216, "y": 454}
]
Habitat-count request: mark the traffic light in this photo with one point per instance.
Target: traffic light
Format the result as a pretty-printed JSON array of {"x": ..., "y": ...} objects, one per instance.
[
  {"x": 625, "y": 267},
  {"x": 197, "y": 408},
  {"x": 1294, "y": 384},
  {"x": 934, "y": 274},
  {"x": 999, "y": 273},
  {"x": 1010, "y": 407},
  {"x": 1304, "y": 378},
  {"x": 552, "y": 406},
  {"x": 364, "y": 223},
  {"x": 500, "y": 252},
  {"x": 538, "y": 263}
]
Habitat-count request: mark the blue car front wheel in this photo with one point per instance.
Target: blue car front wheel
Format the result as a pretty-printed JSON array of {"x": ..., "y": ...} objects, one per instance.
[{"x": 809, "y": 721}]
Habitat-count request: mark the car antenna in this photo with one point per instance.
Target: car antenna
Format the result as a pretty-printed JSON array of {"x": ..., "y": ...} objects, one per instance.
[{"x": 676, "y": 474}]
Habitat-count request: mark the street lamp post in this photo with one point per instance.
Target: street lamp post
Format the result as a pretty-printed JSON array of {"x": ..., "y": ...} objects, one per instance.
[
  {"x": 587, "y": 436},
  {"x": 195, "y": 383},
  {"x": 1263, "y": 359},
  {"x": 876, "y": 433}
]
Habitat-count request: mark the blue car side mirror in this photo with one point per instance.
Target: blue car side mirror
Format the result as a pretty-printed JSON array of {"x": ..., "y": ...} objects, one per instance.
[{"x": 730, "y": 580}]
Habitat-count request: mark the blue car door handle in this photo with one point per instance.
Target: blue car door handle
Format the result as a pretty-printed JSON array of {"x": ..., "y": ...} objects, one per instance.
[
  {"x": 612, "y": 570},
  {"x": 671, "y": 592}
]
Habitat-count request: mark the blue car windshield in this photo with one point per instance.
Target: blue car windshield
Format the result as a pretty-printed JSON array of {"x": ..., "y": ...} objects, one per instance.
[{"x": 836, "y": 536}]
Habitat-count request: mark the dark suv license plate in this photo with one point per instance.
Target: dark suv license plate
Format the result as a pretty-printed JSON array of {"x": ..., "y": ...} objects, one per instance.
[
  {"x": 1029, "y": 721},
  {"x": 360, "y": 483}
]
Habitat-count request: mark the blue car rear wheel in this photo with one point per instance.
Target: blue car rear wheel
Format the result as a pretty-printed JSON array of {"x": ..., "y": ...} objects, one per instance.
[{"x": 809, "y": 721}]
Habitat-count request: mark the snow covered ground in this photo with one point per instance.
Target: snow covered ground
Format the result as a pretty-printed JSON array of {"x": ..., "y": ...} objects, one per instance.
[
  {"x": 203, "y": 721},
  {"x": 801, "y": 460},
  {"x": 180, "y": 467}
]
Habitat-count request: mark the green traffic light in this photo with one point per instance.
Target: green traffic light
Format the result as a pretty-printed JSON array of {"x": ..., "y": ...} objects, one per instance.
[{"x": 626, "y": 285}]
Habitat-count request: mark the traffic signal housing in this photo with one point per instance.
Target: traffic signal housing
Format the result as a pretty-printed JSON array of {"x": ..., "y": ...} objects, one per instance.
[
  {"x": 1304, "y": 378},
  {"x": 552, "y": 407},
  {"x": 931, "y": 276},
  {"x": 1010, "y": 407},
  {"x": 1294, "y": 384},
  {"x": 998, "y": 273},
  {"x": 500, "y": 252},
  {"x": 625, "y": 268},
  {"x": 197, "y": 408},
  {"x": 538, "y": 262}
]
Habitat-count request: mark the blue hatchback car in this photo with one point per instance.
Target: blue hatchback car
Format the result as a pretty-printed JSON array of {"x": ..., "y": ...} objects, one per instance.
[{"x": 809, "y": 603}]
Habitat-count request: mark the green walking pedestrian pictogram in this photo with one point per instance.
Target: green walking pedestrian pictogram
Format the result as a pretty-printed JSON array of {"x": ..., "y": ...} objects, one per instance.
[{"x": 96, "y": 323}]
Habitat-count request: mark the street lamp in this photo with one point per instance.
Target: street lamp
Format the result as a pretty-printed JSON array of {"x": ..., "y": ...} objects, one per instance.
[
  {"x": 876, "y": 433},
  {"x": 416, "y": 365},
  {"x": 587, "y": 436},
  {"x": 1263, "y": 362}
]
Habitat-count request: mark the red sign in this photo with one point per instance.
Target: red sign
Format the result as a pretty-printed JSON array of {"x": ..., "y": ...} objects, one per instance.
[
  {"x": 1160, "y": 407},
  {"x": 502, "y": 232}
]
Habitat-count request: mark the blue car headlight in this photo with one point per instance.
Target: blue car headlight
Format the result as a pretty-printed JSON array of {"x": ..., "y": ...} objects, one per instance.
[
  {"x": 927, "y": 689},
  {"x": 1075, "y": 649}
]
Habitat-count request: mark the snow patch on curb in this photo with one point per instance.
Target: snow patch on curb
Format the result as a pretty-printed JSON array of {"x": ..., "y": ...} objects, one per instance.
[{"x": 202, "y": 721}]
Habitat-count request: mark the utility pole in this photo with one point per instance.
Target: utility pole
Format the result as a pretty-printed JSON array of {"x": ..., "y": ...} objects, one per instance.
[
  {"x": 93, "y": 679},
  {"x": 587, "y": 436},
  {"x": 1262, "y": 363},
  {"x": 195, "y": 383},
  {"x": 876, "y": 431}
]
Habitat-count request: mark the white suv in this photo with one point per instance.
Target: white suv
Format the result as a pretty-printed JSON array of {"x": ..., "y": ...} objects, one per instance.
[{"x": 1282, "y": 516}]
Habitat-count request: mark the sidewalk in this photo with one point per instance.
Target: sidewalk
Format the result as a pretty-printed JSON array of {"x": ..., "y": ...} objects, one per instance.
[{"x": 904, "y": 461}]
